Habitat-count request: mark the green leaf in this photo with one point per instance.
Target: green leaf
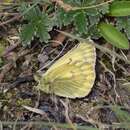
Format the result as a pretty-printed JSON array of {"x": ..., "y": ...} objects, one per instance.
[
  {"x": 113, "y": 36},
  {"x": 69, "y": 17},
  {"x": 32, "y": 14},
  {"x": 120, "y": 8},
  {"x": 81, "y": 23},
  {"x": 27, "y": 33},
  {"x": 63, "y": 18},
  {"x": 38, "y": 25},
  {"x": 43, "y": 27},
  {"x": 84, "y": 21}
]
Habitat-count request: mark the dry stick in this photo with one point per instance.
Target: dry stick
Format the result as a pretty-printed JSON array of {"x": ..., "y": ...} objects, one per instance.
[{"x": 101, "y": 48}]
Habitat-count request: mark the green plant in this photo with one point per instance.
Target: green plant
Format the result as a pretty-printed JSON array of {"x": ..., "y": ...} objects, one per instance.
[
  {"x": 83, "y": 16},
  {"x": 38, "y": 24}
]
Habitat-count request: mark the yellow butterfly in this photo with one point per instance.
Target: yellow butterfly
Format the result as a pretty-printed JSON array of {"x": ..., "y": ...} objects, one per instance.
[{"x": 71, "y": 76}]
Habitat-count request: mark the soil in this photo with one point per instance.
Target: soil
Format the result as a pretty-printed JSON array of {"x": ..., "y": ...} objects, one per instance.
[{"x": 98, "y": 110}]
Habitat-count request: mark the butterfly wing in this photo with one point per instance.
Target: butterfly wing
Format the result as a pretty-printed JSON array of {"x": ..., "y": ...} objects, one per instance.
[
  {"x": 84, "y": 51},
  {"x": 73, "y": 74}
]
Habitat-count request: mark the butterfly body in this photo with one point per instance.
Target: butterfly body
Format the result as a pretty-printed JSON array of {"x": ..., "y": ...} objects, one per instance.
[{"x": 73, "y": 75}]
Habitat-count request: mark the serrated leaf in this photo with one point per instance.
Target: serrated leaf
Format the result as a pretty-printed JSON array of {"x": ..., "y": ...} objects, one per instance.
[
  {"x": 43, "y": 27},
  {"x": 27, "y": 33},
  {"x": 63, "y": 18},
  {"x": 23, "y": 8},
  {"x": 38, "y": 25},
  {"x": 31, "y": 14},
  {"x": 81, "y": 23},
  {"x": 83, "y": 20},
  {"x": 69, "y": 17},
  {"x": 42, "y": 33}
]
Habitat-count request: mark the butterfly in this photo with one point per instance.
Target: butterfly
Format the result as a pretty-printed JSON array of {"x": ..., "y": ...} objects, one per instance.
[{"x": 71, "y": 76}]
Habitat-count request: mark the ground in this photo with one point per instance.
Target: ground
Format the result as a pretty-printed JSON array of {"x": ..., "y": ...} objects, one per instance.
[{"x": 106, "y": 106}]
